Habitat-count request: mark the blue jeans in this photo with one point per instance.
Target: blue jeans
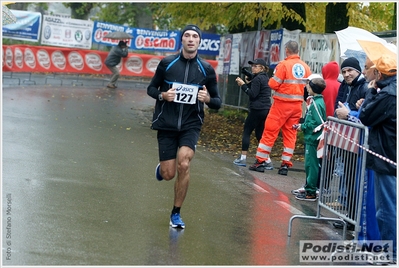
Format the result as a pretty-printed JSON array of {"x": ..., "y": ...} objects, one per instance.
[
  {"x": 368, "y": 221},
  {"x": 385, "y": 204}
]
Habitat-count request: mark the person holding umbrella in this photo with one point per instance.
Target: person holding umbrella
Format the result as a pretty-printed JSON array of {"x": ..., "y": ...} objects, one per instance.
[{"x": 114, "y": 58}]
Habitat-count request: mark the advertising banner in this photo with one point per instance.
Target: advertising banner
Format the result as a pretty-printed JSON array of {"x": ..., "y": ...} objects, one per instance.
[
  {"x": 26, "y": 28},
  {"x": 235, "y": 55},
  {"x": 247, "y": 48},
  {"x": 210, "y": 44},
  {"x": 262, "y": 45},
  {"x": 24, "y": 58},
  {"x": 334, "y": 44},
  {"x": 146, "y": 39},
  {"x": 220, "y": 59},
  {"x": 227, "y": 48},
  {"x": 288, "y": 36},
  {"x": 65, "y": 32},
  {"x": 276, "y": 37},
  {"x": 101, "y": 29},
  {"x": 315, "y": 50}
]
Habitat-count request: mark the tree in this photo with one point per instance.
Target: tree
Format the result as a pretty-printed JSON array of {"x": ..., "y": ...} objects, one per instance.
[
  {"x": 336, "y": 17},
  {"x": 292, "y": 23},
  {"x": 80, "y": 10},
  {"x": 315, "y": 17},
  {"x": 227, "y": 16},
  {"x": 310, "y": 17},
  {"x": 374, "y": 17},
  {"x": 124, "y": 13}
]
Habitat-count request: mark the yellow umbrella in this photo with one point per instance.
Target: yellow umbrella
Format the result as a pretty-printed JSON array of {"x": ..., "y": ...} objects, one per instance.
[{"x": 374, "y": 50}]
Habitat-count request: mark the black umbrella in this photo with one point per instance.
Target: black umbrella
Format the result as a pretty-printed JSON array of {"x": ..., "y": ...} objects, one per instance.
[{"x": 118, "y": 35}]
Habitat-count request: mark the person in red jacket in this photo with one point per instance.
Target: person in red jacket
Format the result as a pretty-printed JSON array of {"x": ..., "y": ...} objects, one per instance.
[
  {"x": 288, "y": 83},
  {"x": 330, "y": 73}
]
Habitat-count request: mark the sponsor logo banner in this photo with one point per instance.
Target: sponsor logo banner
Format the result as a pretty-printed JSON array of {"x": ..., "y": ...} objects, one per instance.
[
  {"x": 101, "y": 29},
  {"x": 65, "y": 32},
  {"x": 25, "y": 58},
  {"x": 26, "y": 28}
]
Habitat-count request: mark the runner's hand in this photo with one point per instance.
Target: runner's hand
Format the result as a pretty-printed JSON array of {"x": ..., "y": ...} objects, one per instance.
[
  {"x": 203, "y": 95},
  {"x": 169, "y": 95}
]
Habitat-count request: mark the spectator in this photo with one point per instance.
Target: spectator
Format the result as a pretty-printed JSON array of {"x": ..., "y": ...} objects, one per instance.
[
  {"x": 285, "y": 111},
  {"x": 259, "y": 94},
  {"x": 312, "y": 128},
  {"x": 368, "y": 221},
  {"x": 369, "y": 74},
  {"x": 379, "y": 113},
  {"x": 368, "y": 70},
  {"x": 352, "y": 89},
  {"x": 178, "y": 115},
  {"x": 330, "y": 73},
  {"x": 113, "y": 59},
  {"x": 308, "y": 98}
]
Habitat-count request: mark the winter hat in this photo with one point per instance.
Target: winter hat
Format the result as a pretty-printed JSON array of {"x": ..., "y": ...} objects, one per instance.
[
  {"x": 317, "y": 85},
  {"x": 351, "y": 62},
  {"x": 191, "y": 27}
]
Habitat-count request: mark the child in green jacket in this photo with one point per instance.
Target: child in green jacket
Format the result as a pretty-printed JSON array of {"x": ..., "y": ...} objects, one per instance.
[{"x": 312, "y": 129}]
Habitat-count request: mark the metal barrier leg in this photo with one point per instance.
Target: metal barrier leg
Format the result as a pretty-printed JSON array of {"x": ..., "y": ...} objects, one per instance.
[{"x": 316, "y": 218}]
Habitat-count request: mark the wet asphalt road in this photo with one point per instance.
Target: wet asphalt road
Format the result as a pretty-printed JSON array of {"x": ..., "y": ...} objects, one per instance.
[{"x": 78, "y": 188}]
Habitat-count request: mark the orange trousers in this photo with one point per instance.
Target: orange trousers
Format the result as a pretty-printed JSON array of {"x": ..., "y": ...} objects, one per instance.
[{"x": 282, "y": 115}]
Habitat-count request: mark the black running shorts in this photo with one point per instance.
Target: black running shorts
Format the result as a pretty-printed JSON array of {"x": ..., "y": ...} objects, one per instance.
[{"x": 170, "y": 141}]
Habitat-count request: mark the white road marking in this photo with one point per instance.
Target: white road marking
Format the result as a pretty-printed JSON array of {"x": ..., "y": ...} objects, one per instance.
[
  {"x": 289, "y": 208},
  {"x": 259, "y": 188}
]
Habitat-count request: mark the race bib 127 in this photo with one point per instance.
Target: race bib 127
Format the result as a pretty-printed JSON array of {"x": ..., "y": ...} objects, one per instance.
[{"x": 186, "y": 94}]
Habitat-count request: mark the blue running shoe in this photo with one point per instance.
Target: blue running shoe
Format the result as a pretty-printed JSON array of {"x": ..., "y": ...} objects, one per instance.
[
  {"x": 176, "y": 221},
  {"x": 157, "y": 173}
]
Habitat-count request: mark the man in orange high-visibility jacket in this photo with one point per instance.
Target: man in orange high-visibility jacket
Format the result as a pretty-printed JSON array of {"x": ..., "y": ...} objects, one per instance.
[{"x": 288, "y": 82}]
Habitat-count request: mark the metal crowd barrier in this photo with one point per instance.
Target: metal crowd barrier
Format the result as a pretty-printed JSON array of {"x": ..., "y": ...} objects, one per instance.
[{"x": 343, "y": 171}]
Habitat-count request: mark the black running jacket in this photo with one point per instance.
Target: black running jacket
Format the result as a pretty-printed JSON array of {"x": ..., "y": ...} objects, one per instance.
[{"x": 177, "y": 116}]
